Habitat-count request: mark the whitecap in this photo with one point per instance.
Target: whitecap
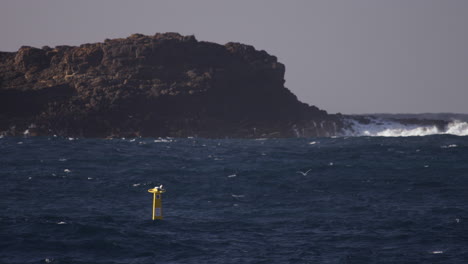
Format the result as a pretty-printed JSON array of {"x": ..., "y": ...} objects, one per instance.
[
  {"x": 19, "y": 143},
  {"x": 313, "y": 143},
  {"x": 90, "y": 178},
  {"x": 162, "y": 140},
  {"x": 67, "y": 170},
  {"x": 61, "y": 223},
  {"x": 437, "y": 252},
  {"x": 232, "y": 176},
  {"x": 62, "y": 159},
  {"x": 136, "y": 184},
  {"x": 237, "y": 195},
  {"x": 450, "y": 146}
]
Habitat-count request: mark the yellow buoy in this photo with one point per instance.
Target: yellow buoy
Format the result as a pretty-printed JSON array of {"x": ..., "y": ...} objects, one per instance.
[{"x": 157, "y": 201}]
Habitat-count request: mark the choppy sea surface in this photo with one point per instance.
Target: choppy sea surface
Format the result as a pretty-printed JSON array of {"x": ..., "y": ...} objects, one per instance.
[{"x": 309, "y": 200}]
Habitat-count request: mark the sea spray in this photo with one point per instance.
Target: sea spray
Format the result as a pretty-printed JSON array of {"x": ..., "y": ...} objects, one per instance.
[{"x": 378, "y": 127}]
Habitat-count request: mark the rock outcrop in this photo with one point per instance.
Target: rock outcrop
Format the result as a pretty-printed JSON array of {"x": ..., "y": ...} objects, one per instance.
[{"x": 161, "y": 85}]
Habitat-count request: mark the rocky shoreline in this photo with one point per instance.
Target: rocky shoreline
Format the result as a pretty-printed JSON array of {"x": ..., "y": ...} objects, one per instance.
[
  {"x": 161, "y": 85},
  {"x": 165, "y": 85}
]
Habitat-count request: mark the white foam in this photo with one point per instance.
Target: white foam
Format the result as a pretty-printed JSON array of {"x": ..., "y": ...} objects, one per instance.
[
  {"x": 385, "y": 128},
  {"x": 458, "y": 128},
  {"x": 232, "y": 176},
  {"x": 162, "y": 140},
  {"x": 67, "y": 170},
  {"x": 312, "y": 143},
  {"x": 437, "y": 252},
  {"x": 450, "y": 146},
  {"x": 61, "y": 223}
]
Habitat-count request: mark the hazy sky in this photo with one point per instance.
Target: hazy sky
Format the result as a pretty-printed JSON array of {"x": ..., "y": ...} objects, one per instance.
[{"x": 348, "y": 56}]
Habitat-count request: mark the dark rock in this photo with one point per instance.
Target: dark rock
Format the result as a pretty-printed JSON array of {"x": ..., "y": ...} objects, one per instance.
[{"x": 161, "y": 85}]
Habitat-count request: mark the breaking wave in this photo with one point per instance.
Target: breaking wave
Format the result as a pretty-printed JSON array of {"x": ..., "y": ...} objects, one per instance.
[{"x": 386, "y": 128}]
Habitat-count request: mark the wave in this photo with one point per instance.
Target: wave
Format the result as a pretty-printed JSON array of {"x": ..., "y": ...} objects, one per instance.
[{"x": 387, "y": 128}]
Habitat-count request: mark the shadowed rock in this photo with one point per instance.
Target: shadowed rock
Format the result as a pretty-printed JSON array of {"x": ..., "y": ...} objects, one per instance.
[{"x": 161, "y": 85}]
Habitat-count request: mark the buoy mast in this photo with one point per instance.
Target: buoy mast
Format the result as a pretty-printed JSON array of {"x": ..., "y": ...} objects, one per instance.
[{"x": 157, "y": 201}]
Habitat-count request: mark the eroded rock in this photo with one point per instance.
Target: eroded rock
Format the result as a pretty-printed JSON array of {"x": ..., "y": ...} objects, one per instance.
[{"x": 161, "y": 85}]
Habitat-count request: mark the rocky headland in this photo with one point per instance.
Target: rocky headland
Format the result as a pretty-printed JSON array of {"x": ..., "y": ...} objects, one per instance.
[{"x": 166, "y": 85}]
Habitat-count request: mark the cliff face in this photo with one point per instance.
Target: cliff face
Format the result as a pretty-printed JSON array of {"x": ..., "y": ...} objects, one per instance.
[{"x": 161, "y": 85}]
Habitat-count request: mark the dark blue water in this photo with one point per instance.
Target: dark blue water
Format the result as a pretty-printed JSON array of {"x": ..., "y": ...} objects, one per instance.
[{"x": 364, "y": 200}]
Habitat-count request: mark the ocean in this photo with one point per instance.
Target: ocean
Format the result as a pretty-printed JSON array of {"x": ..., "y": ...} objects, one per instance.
[{"x": 301, "y": 200}]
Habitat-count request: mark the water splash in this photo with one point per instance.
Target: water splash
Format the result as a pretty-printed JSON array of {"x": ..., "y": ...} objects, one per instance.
[{"x": 387, "y": 128}]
